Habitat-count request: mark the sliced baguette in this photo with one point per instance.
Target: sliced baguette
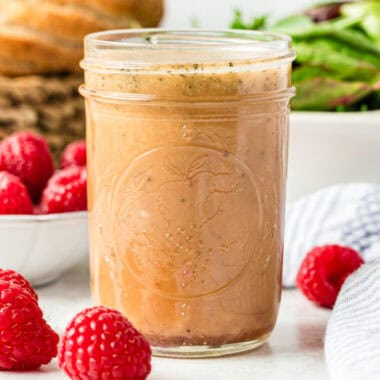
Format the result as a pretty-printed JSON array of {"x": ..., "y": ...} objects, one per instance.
[
  {"x": 26, "y": 52},
  {"x": 68, "y": 22},
  {"x": 147, "y": 12},
  {"x": 46, "y": 36}
]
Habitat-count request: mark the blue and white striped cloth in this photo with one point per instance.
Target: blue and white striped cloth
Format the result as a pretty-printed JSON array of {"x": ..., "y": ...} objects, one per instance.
[
  {"x": 352, "y": 343},
  {"x": 342, "y": 214},
  {"x": 347, "y": 215}
]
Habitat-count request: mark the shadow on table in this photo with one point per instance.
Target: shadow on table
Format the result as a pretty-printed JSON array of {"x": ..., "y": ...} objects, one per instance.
[
  {"x": 311, "y": 335},
  {"x": 289, "y": 339},
  {"x": 51, "y": 368}
]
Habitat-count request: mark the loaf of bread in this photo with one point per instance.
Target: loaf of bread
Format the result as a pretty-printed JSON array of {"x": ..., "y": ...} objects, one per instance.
[{"x": 46, "y": 36}]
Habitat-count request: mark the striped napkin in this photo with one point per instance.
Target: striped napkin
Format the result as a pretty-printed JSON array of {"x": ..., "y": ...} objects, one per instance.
[
  {"x": 352, "y": 343},
  {"x": 342, "y": 214},
  {"x": 347, "y": 215}
]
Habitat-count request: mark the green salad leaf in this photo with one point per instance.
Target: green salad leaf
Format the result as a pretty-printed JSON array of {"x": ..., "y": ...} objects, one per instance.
[
  {"x": 320, "y": 52},
  {"x": 369, "y": 14},
  {"x": 338, "y": 57},
  {"x": 255, "y": 24},
  {"x": 295, "y": 24},
  {"x": 327, "y": 94}
]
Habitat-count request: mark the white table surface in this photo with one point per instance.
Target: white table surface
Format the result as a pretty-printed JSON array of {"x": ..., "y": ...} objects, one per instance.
[{"x": 294, "y": 352}]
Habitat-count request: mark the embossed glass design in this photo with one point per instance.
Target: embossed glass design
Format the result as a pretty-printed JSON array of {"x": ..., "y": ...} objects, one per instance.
[{"x": 187, "y": 155}]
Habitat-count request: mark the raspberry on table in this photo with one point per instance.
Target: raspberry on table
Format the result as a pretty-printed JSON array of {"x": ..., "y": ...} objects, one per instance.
[
  {"x": 14, "y": 197},
  {"x": 324, "y": 270},
  {"x": 26, "y": 340},
  {"x": 100, "y": 343},
  {"x": 74, "y": 154},
  {"x": 66, "y": 191},
  {"x": 10, "y": 276},
  {"x": 27, "y": 156}
]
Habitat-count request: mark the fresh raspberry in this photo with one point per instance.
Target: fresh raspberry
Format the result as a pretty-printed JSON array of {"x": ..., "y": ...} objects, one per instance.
[
  {"x": 26, "y": 340},
  {"x": 74, "y": 154},
  {"x": 9, "y": 275},
  {"x": 324, "y": 270},
  {"x": 27, "y": 156},
  {"x": 14, "y": 197},
  {"x": 99, "y": 343},
  {"x": 37, "y": 210},
  {"x": 66, "y": 191}
]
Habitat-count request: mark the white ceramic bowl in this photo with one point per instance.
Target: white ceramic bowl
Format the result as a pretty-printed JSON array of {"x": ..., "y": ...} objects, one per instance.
[
  {"x": 327, "y": 148},
  {"x": 42, "y": 247}
]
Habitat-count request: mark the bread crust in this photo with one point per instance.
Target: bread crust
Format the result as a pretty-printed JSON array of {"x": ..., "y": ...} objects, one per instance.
[
  {"x": 147, "y": 12},
  {"x": 65, "y": 22},
  {"x": 46, "y": 36},
  {"x": 31, "y": 52}
]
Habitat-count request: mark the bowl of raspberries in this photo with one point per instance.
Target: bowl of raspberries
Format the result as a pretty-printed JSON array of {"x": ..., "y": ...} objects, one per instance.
[{"x": 43, "y": 209}]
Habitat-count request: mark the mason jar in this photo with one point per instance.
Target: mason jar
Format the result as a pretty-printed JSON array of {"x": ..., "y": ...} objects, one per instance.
[{"x": 187, "y": 135}]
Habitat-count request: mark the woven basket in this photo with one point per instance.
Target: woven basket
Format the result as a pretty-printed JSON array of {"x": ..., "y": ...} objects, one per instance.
[{"x": 48, "y": 105}]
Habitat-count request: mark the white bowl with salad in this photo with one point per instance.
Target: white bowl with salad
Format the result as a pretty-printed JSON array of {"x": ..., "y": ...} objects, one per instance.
[{"x": 335, "y": 123}]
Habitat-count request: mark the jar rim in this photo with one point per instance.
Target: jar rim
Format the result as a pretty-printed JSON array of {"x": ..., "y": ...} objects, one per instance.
[
  {"x": 154, "y": 38},
  {"x": 141, "y": 47}
]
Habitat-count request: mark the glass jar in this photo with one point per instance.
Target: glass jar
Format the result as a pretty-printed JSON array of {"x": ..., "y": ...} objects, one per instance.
[{"x": 187, "y": 135}]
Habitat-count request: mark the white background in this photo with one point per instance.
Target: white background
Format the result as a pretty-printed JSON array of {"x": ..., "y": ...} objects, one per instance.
[{"x": 218, "y": 13}]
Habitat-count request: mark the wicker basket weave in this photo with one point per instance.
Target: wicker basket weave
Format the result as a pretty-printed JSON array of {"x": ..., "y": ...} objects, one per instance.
[{"x": 49, "y": 105}]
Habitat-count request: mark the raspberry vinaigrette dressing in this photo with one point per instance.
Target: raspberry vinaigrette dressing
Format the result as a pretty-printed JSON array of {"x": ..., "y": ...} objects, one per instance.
[{"x": 187, "y": 153}]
